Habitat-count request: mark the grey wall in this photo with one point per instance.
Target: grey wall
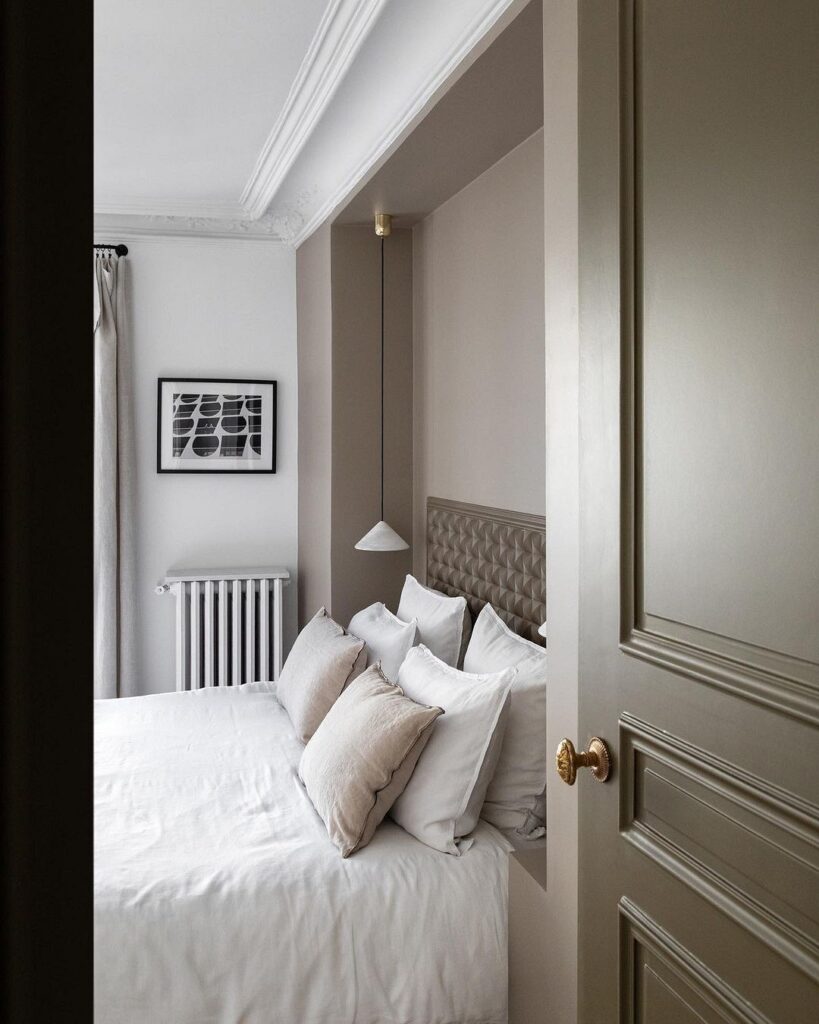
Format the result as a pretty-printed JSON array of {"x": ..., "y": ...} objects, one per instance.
[
  {"x": 479, "y": 360},
  {"x": 484, "y": 114},
  {"x": 199, "y": 308},
  {"x": 339, "y": 275},
  {"x": 465, "y": 395},
  {"x": 361, "y": 577},
  {"x": 315, "y": 338}
]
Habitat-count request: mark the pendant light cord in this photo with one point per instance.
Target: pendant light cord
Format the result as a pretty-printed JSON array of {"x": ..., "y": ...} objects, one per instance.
[{"x": 382, "y": 377}]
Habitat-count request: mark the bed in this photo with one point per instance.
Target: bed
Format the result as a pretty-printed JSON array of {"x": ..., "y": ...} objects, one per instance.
[{"x": 219, "y": 898}]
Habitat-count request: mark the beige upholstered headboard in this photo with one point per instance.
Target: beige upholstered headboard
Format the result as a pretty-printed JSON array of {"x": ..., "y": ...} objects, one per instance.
[{"x": 489, "y": 555}]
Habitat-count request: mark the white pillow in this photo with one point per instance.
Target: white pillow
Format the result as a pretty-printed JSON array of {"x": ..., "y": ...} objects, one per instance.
[
  {"x": 443, "y": 622},
  {"x": 442, "y": 801},
  {"x": 516, "y": 794},
  {"x": 387, "y": 638}
]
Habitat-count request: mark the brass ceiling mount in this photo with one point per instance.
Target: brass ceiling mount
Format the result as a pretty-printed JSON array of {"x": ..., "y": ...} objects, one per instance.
[{"x": 383, "y": 224}]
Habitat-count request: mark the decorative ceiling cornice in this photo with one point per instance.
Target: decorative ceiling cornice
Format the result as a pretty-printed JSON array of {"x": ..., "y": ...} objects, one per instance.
[
  {"x": 329, "y": 138},
  {"x": 404, "y": 119},
  {"x": 343, "y": 28},
  {"x": 143, "y": 206},
  {"x": 281, "y": 225}
]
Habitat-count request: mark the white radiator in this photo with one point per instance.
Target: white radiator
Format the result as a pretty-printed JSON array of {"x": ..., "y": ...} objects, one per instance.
[{"x": 228, "y": 625}]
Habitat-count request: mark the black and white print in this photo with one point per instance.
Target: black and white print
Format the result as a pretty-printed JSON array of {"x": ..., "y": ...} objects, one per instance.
[{"x": 216, "y": 426}]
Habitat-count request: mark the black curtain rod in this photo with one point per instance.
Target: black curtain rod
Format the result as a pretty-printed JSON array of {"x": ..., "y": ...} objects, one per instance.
[{"x": 120, "y": 250}]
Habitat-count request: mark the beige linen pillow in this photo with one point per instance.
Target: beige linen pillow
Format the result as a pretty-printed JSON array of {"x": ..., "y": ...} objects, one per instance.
[
  {"x": 321, "y": 662},
  {"x": 362, "y": 756}
]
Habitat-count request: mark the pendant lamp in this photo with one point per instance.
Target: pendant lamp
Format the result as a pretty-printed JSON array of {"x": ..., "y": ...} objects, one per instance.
[{"x": 382, "y": 537}]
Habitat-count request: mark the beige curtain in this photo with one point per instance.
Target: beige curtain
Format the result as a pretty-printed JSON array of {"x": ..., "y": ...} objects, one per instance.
[{"x": 114, "y": 625}]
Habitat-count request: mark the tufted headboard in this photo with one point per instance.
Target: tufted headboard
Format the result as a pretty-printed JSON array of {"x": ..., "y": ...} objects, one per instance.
[{"x": 489, "y": 555}]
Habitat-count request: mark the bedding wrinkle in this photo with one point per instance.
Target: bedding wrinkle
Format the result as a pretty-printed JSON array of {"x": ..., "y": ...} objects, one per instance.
[{"x": 220, "y": 898}]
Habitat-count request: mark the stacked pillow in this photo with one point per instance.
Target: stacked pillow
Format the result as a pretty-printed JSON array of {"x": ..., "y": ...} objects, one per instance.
[
  {"x": 481, "y": 730},
  {"x": 442, "y": 801},
  {"x": 362, "y": 756},
  {"x": 444, "y": 623},
  {"x": 386, "y": 637},
  {"x": 517, "y": 793},
  {"x": 321, "y": 662}
]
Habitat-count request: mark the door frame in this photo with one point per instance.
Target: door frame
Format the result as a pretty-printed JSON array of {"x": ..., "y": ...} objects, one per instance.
[{"x": 562, "y": 341}]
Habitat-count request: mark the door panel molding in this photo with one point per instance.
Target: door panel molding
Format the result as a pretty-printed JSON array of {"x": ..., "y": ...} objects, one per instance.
[
  {"x": 646, "y": 947},
  {"x": 701, "y": 907},
  {"x": 705, "y": 662},
  {"x": 804, "y": 674},
  {"x": 689, "y": 811},
  {"x": 769, "y": 677}
]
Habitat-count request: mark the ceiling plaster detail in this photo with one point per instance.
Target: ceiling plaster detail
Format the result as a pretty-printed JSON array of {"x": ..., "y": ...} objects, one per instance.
[
  {"x": 343, "y": 28},
  {"x": 319, "y": 151},
  {"x": 144, "y": 206},
  {"x": 406, "y": 116},
  {"x": 281, "y": 225}
]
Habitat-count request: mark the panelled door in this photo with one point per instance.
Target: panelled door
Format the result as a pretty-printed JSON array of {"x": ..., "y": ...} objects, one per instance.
[{"x": 699, "y": 483}]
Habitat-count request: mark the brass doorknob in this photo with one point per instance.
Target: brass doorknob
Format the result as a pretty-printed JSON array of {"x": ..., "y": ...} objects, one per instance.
[{"x": 568, "y": 760}]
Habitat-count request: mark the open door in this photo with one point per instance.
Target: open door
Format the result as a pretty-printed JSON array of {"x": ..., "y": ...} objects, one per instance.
[{"x": 699, "y": 498}]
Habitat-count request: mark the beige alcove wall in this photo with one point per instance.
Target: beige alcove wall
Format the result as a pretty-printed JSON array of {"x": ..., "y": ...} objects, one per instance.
[{"x": 463, "y": 299}]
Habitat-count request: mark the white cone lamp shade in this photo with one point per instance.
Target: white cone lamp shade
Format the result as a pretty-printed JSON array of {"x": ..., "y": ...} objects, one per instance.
[{"x": 382, "y": 537}]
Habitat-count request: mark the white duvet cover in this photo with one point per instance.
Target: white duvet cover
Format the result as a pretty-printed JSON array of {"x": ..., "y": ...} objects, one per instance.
[{"x": 219, "y": 897}]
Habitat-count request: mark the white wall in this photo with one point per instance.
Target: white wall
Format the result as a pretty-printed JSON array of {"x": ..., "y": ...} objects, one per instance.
[
  {"x": 225, "y": 308},
  {"x": 479, "y": 362}
]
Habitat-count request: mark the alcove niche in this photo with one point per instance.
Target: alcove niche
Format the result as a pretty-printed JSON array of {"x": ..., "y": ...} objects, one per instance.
[{"x": 463, "y": 299}]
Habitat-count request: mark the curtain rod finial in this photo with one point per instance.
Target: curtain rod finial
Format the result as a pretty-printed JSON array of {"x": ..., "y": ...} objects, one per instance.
[{"x": 120, "y": 250}]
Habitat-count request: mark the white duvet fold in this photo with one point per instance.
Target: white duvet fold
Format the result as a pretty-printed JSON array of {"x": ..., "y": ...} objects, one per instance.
[{"x": 220, "y": 898}]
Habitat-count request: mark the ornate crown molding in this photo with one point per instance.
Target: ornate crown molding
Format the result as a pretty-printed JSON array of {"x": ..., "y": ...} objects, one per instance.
[
  {"x": 320, "y": 150},
  {"x": 342, "y": 29},
  {"x": 281, "y": 225},
  {"x": 144, "y": 206},
  {"x": 403, "y": 119}
]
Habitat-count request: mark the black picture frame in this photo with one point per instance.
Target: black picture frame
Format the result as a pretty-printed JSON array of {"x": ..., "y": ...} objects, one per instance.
[{"x": 232, "y": 389}]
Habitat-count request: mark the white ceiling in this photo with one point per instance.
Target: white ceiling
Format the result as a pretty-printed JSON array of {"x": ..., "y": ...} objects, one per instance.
[
  {"x": 186, "y": 93},
  {"x": 258, "y": 118}
]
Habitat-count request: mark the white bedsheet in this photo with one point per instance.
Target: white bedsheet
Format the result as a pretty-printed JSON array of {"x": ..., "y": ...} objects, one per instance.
[{"x": 219, "y": 897}]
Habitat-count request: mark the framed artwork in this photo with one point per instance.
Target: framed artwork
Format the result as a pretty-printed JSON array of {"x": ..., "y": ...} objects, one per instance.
[{"x": 207, "y": 425}]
